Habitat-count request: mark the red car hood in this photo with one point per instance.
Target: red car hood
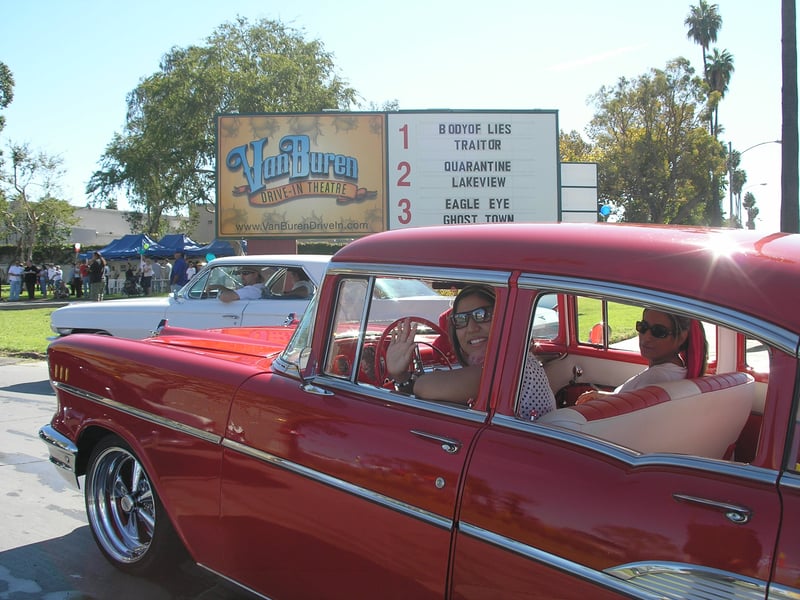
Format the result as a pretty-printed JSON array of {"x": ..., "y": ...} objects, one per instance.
[{"x": 236, "y": 342}]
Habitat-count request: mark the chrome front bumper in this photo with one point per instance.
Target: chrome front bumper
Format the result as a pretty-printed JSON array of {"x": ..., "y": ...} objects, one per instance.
[{"x": 63, "y": 453}]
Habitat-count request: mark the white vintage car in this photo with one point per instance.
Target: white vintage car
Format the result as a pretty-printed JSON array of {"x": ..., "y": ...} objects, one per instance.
[{"x": 196, "y": 306}]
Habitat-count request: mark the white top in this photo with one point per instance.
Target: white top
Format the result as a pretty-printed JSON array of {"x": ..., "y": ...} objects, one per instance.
[
  {"x": 651, "y": 375},
  {"x": 250, "y": 292}
]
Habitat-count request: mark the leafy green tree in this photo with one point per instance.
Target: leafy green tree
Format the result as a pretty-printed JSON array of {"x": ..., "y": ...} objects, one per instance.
[
  {"x": 6, "y": 90},
  {"x": 573, "y": 148},
  {"x": 164, "y": 159},
  {"x": 30, "y": 215},
  {"x": 6, "y": 96},
  {"x": 653, "y": 152}
]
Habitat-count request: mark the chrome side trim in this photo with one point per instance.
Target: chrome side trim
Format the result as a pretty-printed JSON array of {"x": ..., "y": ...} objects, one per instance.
[
  {"x": 381, "y": 394},
  {"x": 683, "y": 581},
  {"x": 779, "y": 337},
  {"x": 63, "y": 453},
  {"x": 634, "y": 459},
  {"x": 340, "y": 484},
  {"x": 652, "y": 581},
  {"x": 233, "y": 581},
  {"x": 782, "y": 592},
  {"x": 136, "y": 412},
  {"x": 791, "y": 480},
  {"x": 569, "y": 567}
]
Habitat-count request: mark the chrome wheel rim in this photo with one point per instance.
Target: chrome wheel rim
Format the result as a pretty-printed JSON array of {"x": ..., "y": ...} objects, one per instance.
[{"x": 121, "y": 505}]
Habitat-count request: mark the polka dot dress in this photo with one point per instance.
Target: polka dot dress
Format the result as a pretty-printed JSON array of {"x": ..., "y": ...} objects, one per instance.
[{"x": 536, "y": 397}]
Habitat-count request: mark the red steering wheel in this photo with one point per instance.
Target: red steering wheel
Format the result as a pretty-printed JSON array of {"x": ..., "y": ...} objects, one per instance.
[{"x": 417, "y": 364}]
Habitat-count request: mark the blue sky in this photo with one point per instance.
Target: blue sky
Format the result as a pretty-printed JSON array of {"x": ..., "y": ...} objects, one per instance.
[{"x": 75, "y": 61}]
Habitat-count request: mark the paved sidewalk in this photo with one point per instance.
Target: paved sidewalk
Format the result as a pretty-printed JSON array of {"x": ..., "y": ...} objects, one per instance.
[{"x": 6, "y": 304}]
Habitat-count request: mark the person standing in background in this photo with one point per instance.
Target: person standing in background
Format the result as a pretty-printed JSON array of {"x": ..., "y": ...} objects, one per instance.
[
  {"x": 75, "y": 282},
  {"x": 147, "y": 275},
  {"x": 191, "y": 269},
  {"x": 97, "y": 272},
  {"x": 84, "y": 268},
  {"x": 44, "y": 279},
  {"x": 30, "y": 275},
  {"x": 178, "y": 276},
  {"x": 15, "y": 280}
]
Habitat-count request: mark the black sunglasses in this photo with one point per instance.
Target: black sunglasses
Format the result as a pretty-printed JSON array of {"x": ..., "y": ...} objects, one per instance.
[
  {"x": 482, "y": 314},
  {"x": 246, "y": 272},
  {"x": 657, "y": 331}
]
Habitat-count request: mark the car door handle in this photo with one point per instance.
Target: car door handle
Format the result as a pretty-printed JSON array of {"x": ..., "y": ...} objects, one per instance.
[
  {"x": 230, "y": 316},
  {"x": 449, "y": 445},
  {"x": 736, "y": 514}
]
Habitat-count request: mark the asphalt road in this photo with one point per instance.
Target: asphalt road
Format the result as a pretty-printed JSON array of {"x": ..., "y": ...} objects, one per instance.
[{"x": 46, "y": 548}]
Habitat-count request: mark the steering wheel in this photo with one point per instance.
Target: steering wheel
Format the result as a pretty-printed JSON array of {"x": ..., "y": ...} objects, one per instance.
[{"x": 417, "y": 363}]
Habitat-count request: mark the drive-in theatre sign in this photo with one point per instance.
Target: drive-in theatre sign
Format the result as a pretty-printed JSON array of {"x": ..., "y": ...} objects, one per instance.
[{"x": 350, "y": 174}]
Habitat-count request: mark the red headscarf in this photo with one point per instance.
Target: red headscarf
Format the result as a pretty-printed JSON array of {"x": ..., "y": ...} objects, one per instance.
[{"x": 694, "y": 357}]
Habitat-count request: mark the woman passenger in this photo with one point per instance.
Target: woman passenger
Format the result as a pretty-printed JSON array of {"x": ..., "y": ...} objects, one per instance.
[{"x": 675, "y": 348}]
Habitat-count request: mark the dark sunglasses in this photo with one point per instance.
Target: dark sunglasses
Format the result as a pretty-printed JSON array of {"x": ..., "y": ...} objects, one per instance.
[
  {"x": 246, "y": 272},
  {"x": 482, "y": 314},
  {"x": 657, "y": 331}
]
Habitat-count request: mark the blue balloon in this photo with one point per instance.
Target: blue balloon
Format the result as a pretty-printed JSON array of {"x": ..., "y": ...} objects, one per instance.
[
  {"x": 605, "y": 210},
  {"x": 210, "y": 257}
]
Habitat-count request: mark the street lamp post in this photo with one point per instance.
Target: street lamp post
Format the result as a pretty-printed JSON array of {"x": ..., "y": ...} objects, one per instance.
[{"x": 730, "y": 172}]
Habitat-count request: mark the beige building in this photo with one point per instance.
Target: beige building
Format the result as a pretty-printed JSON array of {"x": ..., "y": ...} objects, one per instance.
[{"x": 101, "y": 226}]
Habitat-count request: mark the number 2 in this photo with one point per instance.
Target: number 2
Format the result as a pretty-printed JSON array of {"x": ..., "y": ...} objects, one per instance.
[{"x": 405, "y": 169}]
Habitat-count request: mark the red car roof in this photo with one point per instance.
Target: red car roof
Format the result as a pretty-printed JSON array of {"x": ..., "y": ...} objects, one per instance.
[{"x": 748, "y": 271}]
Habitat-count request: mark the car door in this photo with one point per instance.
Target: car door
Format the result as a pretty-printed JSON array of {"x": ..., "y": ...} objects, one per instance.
[
  {"x": 786, "y": 579},
  {"x": 275, "y": 308},
  {"x": 553, "y": 513},
  {"x": 352, "y": 485},
  {"x": 195, "y": 308}
]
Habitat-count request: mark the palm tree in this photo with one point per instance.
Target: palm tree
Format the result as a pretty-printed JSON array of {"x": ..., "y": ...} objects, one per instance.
[
  {"x": 704, "y": 22},
  {"x": 719, "y": 69}
]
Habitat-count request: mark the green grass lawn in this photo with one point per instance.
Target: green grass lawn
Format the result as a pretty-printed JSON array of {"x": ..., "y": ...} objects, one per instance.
[{"x": 25, "y": 332}]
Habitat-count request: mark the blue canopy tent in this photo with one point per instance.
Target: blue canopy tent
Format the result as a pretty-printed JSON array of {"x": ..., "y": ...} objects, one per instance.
[
  {"x": 217, "y": 248},
  {"x": 133, "y": 246},
  {"x": 179, "y": 242}
]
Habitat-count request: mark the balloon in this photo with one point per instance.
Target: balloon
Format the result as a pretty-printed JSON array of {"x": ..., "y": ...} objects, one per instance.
[
  {"x": 605, "y": 210},
  {"x": 210, "y": 257}
]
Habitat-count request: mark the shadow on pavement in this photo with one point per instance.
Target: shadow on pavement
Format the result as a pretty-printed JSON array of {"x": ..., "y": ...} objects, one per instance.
[
  {"x": 41, "y": 388},
  {"x": 72, "y": 567}
]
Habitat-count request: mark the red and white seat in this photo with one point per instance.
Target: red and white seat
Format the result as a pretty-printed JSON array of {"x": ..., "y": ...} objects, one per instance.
[{"x": 702, "y": 417}]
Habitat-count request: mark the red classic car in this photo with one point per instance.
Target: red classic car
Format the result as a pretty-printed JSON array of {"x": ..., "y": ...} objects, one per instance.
[{"x": 286, "y": 461}]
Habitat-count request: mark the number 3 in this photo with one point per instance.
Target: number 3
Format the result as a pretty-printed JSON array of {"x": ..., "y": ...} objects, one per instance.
[{"x": 404, "y": 204}]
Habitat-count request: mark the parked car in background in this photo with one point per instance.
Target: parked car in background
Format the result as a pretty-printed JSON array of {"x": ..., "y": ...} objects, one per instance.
[
  {"x": 196, "y": 305},
  {"x": 263, "y": 459}
]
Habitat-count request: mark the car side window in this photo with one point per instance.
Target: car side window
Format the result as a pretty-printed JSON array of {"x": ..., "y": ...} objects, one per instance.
[
  {"x": 222, "y": 275},
  {"x": 364, "y": 313},
  {"x": 545, "y": 323},
  {"x": 756, "y": 355},
  {"x": 343, "y": 344},
  {"x": 607, "y": 324},
  {"x": 276, "y": 285}
]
